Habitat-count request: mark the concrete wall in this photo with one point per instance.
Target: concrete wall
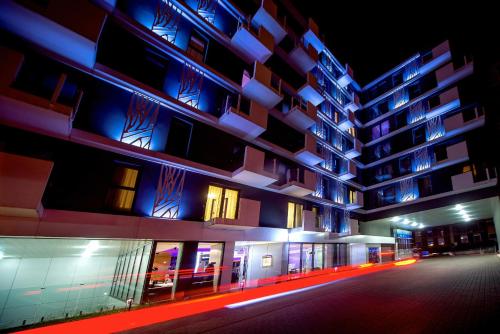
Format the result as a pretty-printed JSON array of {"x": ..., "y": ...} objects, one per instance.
[{"x": 370, "y": 228}]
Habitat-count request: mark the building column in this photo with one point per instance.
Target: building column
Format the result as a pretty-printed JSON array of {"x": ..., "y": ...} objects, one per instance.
[
  {"x": 227, "y": 265},
  {"x": 496, "y": 220}
]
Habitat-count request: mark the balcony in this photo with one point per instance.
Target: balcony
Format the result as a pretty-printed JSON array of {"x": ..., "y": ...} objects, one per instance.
[
  {"x": 310, "y": 91},
  {"x": 447, "y": 101},
  {"x": 263, "y": 86},
  {"x": 456, "y": 122},
  {"x": 312, "y": 37},
  {"x": 448, "y": 73},
  {"x": 22, "y": 184},
  {"x": 350, "y": 171},
  {"x": 248, "y": 217},
  {"x": 301, "y": 114},
  {"x": 309, "y": 154},
  {"x": 267, "y": 17},
  {"x": 252, "y": 172},
  {"x": 438, "y": 56},
  {"x": 244, "y": 116},
  {"x": 354, "y": 104},
  {"x": 468, "y": 181},
  {"x": 454, "y": 154},
  {"x": 254, "y": 45},
  {"x": 356, "y": 201},
  {"x": 299, "y": 182},
  {"x": 68, "y": 28},
  {"x": 347, "y": 78},
  {"x": 310, "y": 223},
  {"x": 304, "y": 58},
  {"x": 355, "y": 151},
  {"x": 21, "y": 108},
  {"x": 347, "y": 122}
]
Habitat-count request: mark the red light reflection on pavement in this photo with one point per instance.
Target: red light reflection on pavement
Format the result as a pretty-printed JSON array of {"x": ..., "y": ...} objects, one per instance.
[{"x": 156, "y": 314}]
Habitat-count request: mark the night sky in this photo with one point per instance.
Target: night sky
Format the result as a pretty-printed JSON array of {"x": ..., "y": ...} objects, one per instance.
[{"x": 374, "y": 36}]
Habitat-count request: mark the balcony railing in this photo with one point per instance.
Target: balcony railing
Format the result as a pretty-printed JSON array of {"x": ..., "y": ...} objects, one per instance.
[
  {"x": 247, "y": 217},
  {"x": 310, "y": 91},
  {"x": 262, "y": 86},
  {"x": 267, "y": 16},
  {"x": 304, "y": 58},
  {"x": 252, "y": 172},
  {"x": 244, "y": 116},
  {"x": 310, "y": 154},
  {"x": 255, "y": 45},
  {"x": 300, "y": 113},
  {"x": 23, "y": 104}
]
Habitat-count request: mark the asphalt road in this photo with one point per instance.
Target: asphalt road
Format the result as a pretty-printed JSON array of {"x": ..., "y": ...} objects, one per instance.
[{"x": 441, "y": 295}]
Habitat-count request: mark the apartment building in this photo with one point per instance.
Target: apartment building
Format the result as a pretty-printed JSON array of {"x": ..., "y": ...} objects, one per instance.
[{"x": 158, "y": 150}]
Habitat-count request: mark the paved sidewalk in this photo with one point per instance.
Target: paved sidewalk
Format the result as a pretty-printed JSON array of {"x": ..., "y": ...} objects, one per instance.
[{"x": 442, "y": 295}]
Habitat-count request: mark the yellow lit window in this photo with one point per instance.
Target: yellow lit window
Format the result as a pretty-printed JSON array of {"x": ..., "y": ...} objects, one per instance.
[
  {"x": 221, "y": 203},
  {"x": 294, "y": 218},
  {"x": 466, "y": 169},
  {"x": 352, "y": 131},
  {"x": 352, "y": 196},
  {"x": 122, "y": 192}
]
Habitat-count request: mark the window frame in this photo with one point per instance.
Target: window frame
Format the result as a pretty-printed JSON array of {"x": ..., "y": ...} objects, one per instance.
[
  {"x": 221, "y": 207},
  {"x": 113, "y": 187}
]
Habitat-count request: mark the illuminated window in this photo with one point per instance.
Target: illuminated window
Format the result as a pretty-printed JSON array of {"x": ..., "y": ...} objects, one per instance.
[
  {"x": 352, "y": 196},
  {"x": 466, "y": 169},
  {"x": 352, "y": 132},
  {"x": 294, "y": 215},
  {"x": 122, "y": 191},
  {"x": 197, "y": 47},
  {"x": 221, "y": 203}
]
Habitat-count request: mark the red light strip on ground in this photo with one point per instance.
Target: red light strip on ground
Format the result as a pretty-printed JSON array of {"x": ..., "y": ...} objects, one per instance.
[{"x": 157, "y": 314}]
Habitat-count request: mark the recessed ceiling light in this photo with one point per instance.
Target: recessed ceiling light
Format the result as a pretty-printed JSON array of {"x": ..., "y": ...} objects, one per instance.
[
  {"x": 462, "y": 212},
  {"x": 396, "y": 219},
  {"x": 406, "y": 221},
  {"x": 459, "y": 207},
  {"x": 420, "y": 225},
  {"x": 414, "y": 224}
]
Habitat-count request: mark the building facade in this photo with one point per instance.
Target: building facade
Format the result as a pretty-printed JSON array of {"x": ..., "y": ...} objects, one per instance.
[{"x": 162, "y": 149}]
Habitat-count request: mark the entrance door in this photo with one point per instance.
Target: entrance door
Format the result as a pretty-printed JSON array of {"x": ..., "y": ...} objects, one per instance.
[{"x": 373, "y": 255}]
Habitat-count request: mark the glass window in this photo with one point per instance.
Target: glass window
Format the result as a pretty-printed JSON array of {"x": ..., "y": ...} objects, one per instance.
[
  {"x": 122, "y": 191},
  {"x": 307, "y": 257},
  {"x": 294, "y": 219},
  {"x": 221, "y": 202},
  {"x": 294, "y": 258},
  {"x": 197, "y": 46},
  {"x": 207, "y": 268},
  {"x": 318, "y": 256},
  {"x": 163, "y": 272}
]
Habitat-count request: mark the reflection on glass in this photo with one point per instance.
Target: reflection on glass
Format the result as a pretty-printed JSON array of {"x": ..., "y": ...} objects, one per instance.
[
  {"x": 318, "y": 256},
  {"x": 208, "y": 261},
  {"x": 163, "y": 273},
  {"x": 294, "y": 258},
  {"x": 307, "y": 258}
]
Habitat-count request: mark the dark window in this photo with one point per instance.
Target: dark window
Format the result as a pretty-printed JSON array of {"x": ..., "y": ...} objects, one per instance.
[
  {"x": 400, "y": 120},
  {"x": 197, "y": 46},
  {"x": 405, "y": 165},
  {"x": 434, "y": 101},
  {"x": 397, "y": 79},
  {"x": 123, "y": 186},
  {"x": 469, "y": 114},
  {"x": 419, "y": 135},
  {"x": 425, "y": 186},
  {"x": 179, "y": 137}
]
